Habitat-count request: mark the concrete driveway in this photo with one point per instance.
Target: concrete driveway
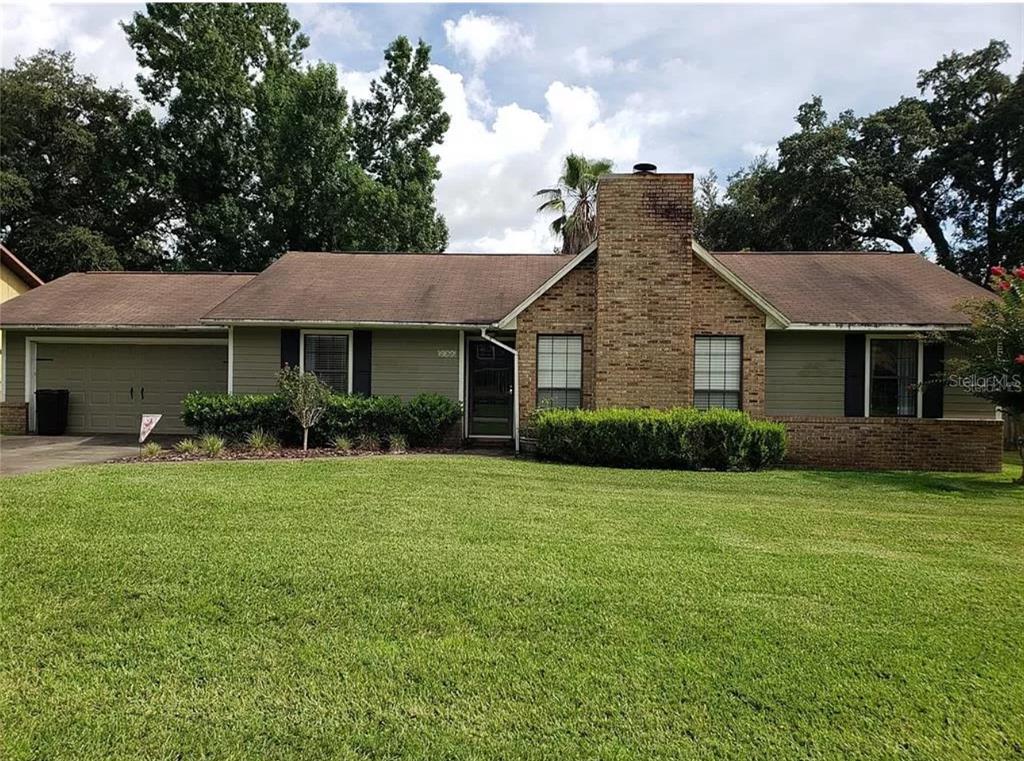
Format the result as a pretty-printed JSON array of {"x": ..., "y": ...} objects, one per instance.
[{"x": 29, "y": 454}]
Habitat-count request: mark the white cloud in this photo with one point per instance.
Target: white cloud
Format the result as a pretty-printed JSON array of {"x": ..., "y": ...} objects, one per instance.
[
  {"x": 334, "y": 24},
  {"x": 481, "y": 38},
  {"x": 490, "y": 168},
  {"x": 756, "y": 150},
  {"x": 357, "y": 83},
  {"x": 588, "y": 64},
  {"x": 92, "y": 34}
]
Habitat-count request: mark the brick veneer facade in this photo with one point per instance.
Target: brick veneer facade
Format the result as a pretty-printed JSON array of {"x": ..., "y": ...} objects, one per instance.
[
  {"x": 719, "y": 309},
  {"x": 566, "y": 309},
  {"x": 643, "y": 297},
  {"x": 14, "y": 418},
  {"x": 894, "y": 443}
]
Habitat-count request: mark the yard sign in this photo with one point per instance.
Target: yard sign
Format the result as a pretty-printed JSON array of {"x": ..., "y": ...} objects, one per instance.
[{"x": 148, "y": 424}]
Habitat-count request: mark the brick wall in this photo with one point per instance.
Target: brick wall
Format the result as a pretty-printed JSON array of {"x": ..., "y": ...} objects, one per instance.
[
  {"x": 719, "y": 309},
  {"x": 644, "y": 295},
  {"x": 639, "y": 303},
  {"x": 13, "y": 418},
  {"x": 566, "y": 309},
  {"x": 894, "y": 443}
]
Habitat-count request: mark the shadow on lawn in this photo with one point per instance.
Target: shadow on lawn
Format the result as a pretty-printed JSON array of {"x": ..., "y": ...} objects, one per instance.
[{"x": 977, "y": 485}]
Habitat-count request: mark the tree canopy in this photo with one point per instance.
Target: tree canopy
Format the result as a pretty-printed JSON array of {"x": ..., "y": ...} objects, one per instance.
[
  {"x": 83, "y": 183},
  {"x": 946, "y": 165},
  {"x": 255, "y": 152}
]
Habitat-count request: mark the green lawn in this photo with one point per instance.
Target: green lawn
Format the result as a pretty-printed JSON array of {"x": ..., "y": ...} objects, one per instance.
[{"x": 481, "y": 608}]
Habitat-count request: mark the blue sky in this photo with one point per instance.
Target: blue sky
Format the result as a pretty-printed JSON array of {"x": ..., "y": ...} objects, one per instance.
[{"x": 687, "y": 87}]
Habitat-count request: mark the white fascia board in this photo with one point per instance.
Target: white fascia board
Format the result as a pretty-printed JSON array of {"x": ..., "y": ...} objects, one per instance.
[
  {"x": 569, "y": 266},
  {"x": 736, "y": 282}
]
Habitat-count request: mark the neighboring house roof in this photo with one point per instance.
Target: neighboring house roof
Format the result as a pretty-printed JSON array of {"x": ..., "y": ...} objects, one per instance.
[
  {"x": 422, "y": 289},
  {"x": 855, "y": 288},
  {"x": 116, "y": 299},
  {"x": 19, "y": 268}
]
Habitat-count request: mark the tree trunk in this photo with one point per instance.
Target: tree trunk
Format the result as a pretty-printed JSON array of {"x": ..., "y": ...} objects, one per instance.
[
  {"x": 933, "y": 228},
  {"x": 1020, "y": 451},
  {"x": 305, "y": 439}
]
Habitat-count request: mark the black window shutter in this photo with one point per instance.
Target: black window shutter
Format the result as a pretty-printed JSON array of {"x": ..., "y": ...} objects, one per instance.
[
  {"x": 290, "y": 348},
  {"x": 853, "y": 399},
  {"x": 934, "y": 362},
  {"x": 362, "y": 345}
]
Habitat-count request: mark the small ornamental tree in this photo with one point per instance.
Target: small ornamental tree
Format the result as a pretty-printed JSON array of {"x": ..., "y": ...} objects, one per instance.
[
  {"x": 991, "y": 358},
  {"x": 306, "y": 396}
]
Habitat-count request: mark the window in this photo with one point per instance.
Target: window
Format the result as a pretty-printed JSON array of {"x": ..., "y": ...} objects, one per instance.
[
  {"x": 326, "y": 356},
  {"x": 893, "y": 381},
  {"x": 559, "y": 371},
  {"x": 716, "y": 372}
]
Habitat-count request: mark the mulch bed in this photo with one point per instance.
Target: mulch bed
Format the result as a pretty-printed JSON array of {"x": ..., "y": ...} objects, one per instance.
[{"x": 169, "y": 455}]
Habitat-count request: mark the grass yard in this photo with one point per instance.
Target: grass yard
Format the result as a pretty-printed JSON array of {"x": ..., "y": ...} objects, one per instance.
[{"x": 482, "y": 608}]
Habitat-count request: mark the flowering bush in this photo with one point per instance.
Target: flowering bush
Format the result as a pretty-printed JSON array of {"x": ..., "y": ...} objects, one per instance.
[{"x": 993, "y": 347}]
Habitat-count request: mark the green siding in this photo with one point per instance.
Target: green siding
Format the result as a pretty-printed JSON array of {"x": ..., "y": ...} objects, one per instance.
[
  {"x": 257, "y": 360},
  {"x": 14, "y": 367},
  {"x": 804, "y": 373},
  {"x": 957, "y": 403},
  {"x": 410, "y": 362}
]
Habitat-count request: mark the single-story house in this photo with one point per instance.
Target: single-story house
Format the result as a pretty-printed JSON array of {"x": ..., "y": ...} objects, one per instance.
[{"x": 833, "y": 344}]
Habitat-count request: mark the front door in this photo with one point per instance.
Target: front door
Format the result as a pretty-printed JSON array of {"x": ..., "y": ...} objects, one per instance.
[{"x": 489, "y": 373}]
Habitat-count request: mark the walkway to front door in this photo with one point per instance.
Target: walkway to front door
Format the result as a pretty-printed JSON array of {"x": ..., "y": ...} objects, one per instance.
[{"x": 490, "y": 389}]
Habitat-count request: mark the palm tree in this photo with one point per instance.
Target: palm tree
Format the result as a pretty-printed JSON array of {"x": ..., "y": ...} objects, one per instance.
[{"x": 574, "y": 199}]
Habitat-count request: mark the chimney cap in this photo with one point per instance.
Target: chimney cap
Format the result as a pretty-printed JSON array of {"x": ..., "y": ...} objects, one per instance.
[{"x": 644, "y": 168}]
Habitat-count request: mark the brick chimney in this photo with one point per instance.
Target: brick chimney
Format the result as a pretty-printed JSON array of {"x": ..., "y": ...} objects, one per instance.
[{"x": 644, "y": 298}]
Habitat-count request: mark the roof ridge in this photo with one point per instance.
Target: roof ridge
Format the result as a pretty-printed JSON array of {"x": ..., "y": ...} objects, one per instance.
[
  {"x": 160, "y": 272},
  {"x": 424, "y": 253},
  {"x": 880, "y": 252}
]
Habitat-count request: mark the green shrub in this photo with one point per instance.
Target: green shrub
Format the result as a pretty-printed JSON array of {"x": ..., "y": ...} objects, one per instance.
[
  {"x": 678, "y": 438},
  {"x": 259, "y": 440},
  {"x": 187, "y": 446},
  {"x": 369, "y": 442},
  {"x": 343, "y": 444},
  {"x": 211, "y": 444},
  {"x": 428, "y": 418},
  {"x": 397, "y": 443},
  {"x": 151, "y": 450},
  {"x": 234, "y": 417},
  {"x": 765, "y": 445}
]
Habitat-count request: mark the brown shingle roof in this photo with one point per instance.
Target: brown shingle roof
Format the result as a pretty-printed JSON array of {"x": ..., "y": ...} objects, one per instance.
[
  {"x": 462, "y": 289},
  {"x": 147, "y": 299},
  {"x": 855, "y": 288}
]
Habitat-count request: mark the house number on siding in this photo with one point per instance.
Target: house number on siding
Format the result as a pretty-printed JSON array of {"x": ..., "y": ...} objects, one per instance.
[{"x": 447, "y": 353}]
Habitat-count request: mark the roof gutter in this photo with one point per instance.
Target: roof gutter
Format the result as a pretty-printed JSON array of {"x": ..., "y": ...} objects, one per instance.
[
  {"x": 214, "y": 322},
  {"x": 112, "y": 326},
  {"x": 515, "y": 384}
]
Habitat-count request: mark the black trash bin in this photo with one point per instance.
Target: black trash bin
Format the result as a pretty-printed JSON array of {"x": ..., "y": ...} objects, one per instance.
[{"x": 52, "y": 411}]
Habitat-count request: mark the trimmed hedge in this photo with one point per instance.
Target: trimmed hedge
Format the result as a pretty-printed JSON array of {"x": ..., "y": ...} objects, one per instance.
[
  {"x": 424, "y": 420},
  {"x": 682, "y": 438}
]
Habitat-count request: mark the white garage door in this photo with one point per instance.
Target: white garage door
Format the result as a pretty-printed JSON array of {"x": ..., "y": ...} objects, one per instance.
[{"x": 112, "y": 385}]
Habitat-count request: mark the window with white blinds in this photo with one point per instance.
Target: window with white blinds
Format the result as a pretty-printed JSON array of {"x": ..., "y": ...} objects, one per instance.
[
  {"x": 559, "y": 371},
  {"x": 326, "y": 356},
  {"x": 717, "y": 372}
]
